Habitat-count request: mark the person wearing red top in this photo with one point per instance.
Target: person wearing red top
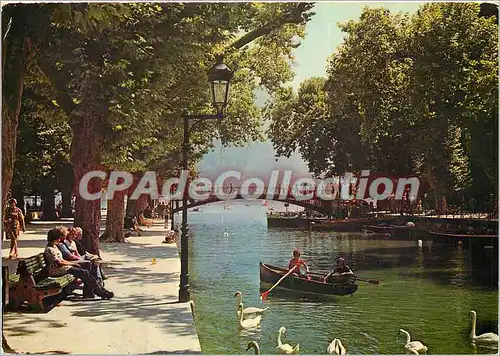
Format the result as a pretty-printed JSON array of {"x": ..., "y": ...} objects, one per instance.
[{"x": 297, "y": 262}]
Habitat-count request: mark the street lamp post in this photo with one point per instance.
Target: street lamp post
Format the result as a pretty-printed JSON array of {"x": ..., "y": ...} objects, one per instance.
[{"x": 219, "y": 77}]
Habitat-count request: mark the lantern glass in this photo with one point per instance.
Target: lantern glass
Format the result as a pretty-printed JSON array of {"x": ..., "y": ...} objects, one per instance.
[
  {"x": 220, "y": 90},
  {"x": 219, "y": 77}
]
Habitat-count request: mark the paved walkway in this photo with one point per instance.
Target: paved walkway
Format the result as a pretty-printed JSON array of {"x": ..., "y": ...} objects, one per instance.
[{"x": 143, "y": 317}]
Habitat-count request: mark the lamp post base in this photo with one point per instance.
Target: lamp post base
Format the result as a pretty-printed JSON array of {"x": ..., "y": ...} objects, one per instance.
[{"x": 184, "y": 296}]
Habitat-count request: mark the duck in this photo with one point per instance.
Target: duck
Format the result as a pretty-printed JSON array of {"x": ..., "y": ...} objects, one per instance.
[
  {"x": 412, "y": 346},
  {"x": 249, "y": 310},
  {"x": 336, "y": 348},
  {"x": 485, "y": 340},
  {"x": 286, "y": 348},
  {"x": 248, "y": 323},
  {"x": 255, "y": 346}
]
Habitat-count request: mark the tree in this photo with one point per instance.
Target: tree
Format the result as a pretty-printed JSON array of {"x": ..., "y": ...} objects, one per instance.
[
  {"x": 404, "y": 94},
  {"x": 21, "y": 26},
  {"x": 112, "y": 66}
]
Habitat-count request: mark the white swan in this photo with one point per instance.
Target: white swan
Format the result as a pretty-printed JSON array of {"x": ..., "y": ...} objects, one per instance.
[
  {"x": 248, "y": 323},
  {"x": 412, "y": 346},
  {"x": 249, "y": 310},
  {"x": 420, "y": 243},
  {"x": 336, "y": 348},
  {"x": 485, "y": 340},
  {"x": 286, "y": 348},
  {"x": 255, "y": 346}
]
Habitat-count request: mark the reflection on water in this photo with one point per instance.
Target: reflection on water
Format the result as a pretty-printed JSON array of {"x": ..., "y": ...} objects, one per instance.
[{"x": 428, "y": 291}]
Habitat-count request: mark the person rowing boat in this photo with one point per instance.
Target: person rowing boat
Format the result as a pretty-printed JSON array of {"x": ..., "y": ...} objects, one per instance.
[
  {"x": 297, "y": 262},
  {"x": 341, "y": 270}
]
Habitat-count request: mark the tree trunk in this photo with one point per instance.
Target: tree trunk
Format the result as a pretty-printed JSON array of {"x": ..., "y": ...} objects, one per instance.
[
  {"x": 86, "y": 148},
  {"x": 67, "y": 212},
  {"x": 115, "y": 218},
  {"x": 9, "y": 137},
  {"x": 6, "y": 347},
  {"x": 18, "y": 51},
  {"x": 141, "y": 204},
  {"x": 48, "y": 204},
  {"x": 131, "y": 209}
]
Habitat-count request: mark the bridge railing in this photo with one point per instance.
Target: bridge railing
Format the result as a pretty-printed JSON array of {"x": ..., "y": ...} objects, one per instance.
[{"x": 277, "y": 191}]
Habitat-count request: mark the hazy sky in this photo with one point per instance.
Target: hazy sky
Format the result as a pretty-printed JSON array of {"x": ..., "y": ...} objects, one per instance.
[{"x": 322, "y": 37}]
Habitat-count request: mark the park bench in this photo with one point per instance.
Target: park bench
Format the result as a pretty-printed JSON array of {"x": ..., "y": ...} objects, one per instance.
[{"x": 32, "y": 284}]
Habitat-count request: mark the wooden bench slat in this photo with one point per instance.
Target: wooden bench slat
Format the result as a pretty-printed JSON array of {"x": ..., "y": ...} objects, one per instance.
[
  {"x": 32, "y": 284},
  {"x": 51, "y": 282}
]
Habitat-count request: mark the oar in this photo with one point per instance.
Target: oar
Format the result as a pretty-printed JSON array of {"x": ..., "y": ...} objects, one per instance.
[
  {"x": 372, "y": 281},
  {"x": 264, "y": 295}
]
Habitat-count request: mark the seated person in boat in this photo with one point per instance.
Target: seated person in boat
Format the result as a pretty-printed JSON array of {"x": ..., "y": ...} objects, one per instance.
[
  {"x": 341, "y": 270},
  {"x": 297, "y": 262}
]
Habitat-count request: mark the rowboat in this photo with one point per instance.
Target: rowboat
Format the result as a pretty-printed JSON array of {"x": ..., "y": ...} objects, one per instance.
[{"x": 342, "y": 285}]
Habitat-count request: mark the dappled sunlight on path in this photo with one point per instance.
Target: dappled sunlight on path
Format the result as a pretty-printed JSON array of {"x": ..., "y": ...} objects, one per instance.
[{"x": 143, "y": 317}]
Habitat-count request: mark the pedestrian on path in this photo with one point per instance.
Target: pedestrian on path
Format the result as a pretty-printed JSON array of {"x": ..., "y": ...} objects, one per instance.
[{"x": 13, "y": 223}]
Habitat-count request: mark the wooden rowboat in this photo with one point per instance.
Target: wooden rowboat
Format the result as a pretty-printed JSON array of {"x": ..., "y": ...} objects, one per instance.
[{"x": 342, "y": 285}]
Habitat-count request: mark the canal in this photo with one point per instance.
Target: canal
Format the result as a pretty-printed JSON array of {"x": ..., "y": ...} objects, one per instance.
[{"x": 427, "y": 291}]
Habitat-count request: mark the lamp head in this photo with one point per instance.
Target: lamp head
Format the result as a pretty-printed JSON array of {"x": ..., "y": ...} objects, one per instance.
[{"x": 219, "y": 77}]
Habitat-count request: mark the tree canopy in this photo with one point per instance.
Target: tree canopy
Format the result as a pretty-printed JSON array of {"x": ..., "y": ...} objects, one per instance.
[
  {"x": 122, "y": 75},
  {"x": 404, "y": 95}
]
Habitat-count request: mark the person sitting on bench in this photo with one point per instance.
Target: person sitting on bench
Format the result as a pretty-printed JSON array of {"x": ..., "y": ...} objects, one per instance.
[
  {"x": 130, "y": 222},
  {"x": 57, "y": 266},
  {"x": 74, "y": 243},
  {"x": 143, "y": 221},
  {"x": 88, "y": 261}
]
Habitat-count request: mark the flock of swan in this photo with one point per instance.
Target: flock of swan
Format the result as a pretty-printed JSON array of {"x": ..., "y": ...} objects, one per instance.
[{"x": 251, "y": 317}]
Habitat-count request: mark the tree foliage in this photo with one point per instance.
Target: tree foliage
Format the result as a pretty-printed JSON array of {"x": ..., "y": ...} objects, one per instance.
[
  {"x": 123, "y": 74},
  {"x": 404, "y": 94}
]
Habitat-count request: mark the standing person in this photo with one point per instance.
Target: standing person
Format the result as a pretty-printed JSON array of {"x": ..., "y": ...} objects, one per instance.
[
  {"x": 13, "y": 223},
  {"x": 57, "y": 266}
]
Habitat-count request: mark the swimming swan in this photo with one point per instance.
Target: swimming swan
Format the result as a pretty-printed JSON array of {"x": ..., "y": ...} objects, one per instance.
[
  {"x": 248, "y": 323},
  {"x": 412, "y": 346},
  {"x": 488, "y": 339},
  {"x": 255, "y": 347},
  {"x": 249, "y": 310},
  {"x": 286, "y": 348},
  {"x": 336, "y": 348}
]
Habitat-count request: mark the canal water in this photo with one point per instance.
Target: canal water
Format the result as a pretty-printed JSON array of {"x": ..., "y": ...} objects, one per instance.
[{"x": 427, "y": 291}]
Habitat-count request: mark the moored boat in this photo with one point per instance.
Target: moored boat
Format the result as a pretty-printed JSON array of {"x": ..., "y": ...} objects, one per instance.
[
  {"x": 396, "y": 231},
  {"x": 346, "y": 225},
  {"x": 461, "y": 236},
  {"x": 341, "y": 285}
]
